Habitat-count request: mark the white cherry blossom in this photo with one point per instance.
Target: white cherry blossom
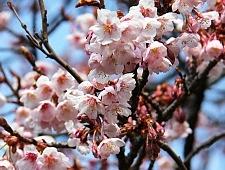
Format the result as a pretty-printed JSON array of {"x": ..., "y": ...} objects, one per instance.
[
  {"x": 107, "y": 29},
  {"x": 109, "y": 146},
  {"x": 51, "y": 159}
]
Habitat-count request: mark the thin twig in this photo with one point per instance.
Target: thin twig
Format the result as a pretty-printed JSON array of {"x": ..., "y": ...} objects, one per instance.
[
  {"x": 168, "y": 112},
  {"x": 38, "y": 41},
  {"x": 9, "y": 84},
  {"x": 205, "y": 145},
  {"x": 173, "y": 155},
  {"x": 139, "y": 159},
  {"x": 151, "y": 165},
  {"x": 102, "y": 4},
  {"x": 4, "y": 124}
]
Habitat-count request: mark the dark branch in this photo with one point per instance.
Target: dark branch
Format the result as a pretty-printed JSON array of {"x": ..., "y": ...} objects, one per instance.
[
  {"x": 205, "y": 145},
  {"x": 173, "y": 155}
]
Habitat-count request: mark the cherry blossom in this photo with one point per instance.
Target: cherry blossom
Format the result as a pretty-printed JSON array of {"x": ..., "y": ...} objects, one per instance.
[
  {"x": 185, "y": 6},
  {"x": 214, "y": 48},
  {"x": 108, "y": 29},
  {"x": 155, "y": 58},
  {"x": 51, "y": 159},
  {"x": 6, "y": 165},
  {"x": 109, "y": 146},
  {"x": 4, "y": 18},
  {"x": 29, "y": 160}
]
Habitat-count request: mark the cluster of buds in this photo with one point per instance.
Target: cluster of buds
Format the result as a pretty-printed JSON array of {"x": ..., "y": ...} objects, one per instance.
[{"x": 166, "y": 94}]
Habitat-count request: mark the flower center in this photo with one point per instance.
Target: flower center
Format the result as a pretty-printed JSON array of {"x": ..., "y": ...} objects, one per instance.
[
  {"x": 49, "y": 160},
  {"x": 108, "y": 28},
  {"x": 31, "y": 156}
]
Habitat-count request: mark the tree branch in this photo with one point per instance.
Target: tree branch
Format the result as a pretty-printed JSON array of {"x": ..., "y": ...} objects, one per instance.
[
  {"x": 168, "y": 112},
  {"x": 6, "y": 126},
  {"x": 204, "y": 145},
  {"x": 38, "y": 41},
  {"x": 173, "y": 155}
]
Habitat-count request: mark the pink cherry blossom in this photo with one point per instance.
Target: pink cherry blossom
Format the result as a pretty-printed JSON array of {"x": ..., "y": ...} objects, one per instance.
[
  {"x": 6, "y": 165},
  {"x": 44, "y": 88},
  {"x": 155, "y": 58},
  {"x": 107, "y": 29},
  {"x": 85, "y": 21},
  {"x": 90, "y": 105},
  {"x": 214, "y": 48},
  {"x": 146, "y": 8},
  {"x": 185, "y": 6},
  {"x": 29, "y": 160},
  {"x": 61, "y": 81},
  {"x": 4, "y": 18},
  {"x": 46, "y": 111},
  {"x": 109, "y": 146},
  {"x": 51, "y": 159},
  {"x": 66, "y": 111},
  {"x": 29, "y": 98},
  {"x": 177, "y": 130}
]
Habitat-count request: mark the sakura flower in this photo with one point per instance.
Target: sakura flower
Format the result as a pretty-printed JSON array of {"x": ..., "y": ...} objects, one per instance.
[
  {"x": 44, "y": 88},
  {"x": 30, "y": 99},
  {"x": 146, "y": 8},
  {"x": 6, "y": 165},
  {"x": 111, "y": 130},
  {"x": 124, "y": 87},
  {"x": 86, "y": 87},
  {"x": 155, "y": 58},
  {"x": 66, "y": 111},
  {"x": 185, "y": 6},
  {"x": 214, "y": 48},
  {"x": 29, "y": 160},
  {"x": 61, "y": 81},
  {"x": 149, "y": 30},
  {"x": 45, "y": 67},
  {"x": 22, "y": 113},
  {"x": 90, "y": 105},
  {"x": 187, "y": 40},
  {"x": 85, "y": 21},
  {"x": 95, "y": 61},
  {"x": 109, "y": 146},
  {"x": 51, "y": 159},
  {"x": 46, "y": 111},
  {"x": 29, "y": 79},
  {"x": 2, "y": 100},
  {"x": 4, "y": 18},
  {"x": 99, "y": 78},
  {"x": 167, "y": 23},
  {"x": 126, "y": 83},
  {"x": 107, "y": 29},
  {"x": 114, "y": 110},
  {"x": 131, "y": 29},
  {"x": 73, "y": 129},
  {"x": 207, "y": 17},
  {"x": 83, "y": 148},
  {"x": 178, "y": 130},
  {"x": 77, "y": 38},
  {"x": 108, "y": 96}
]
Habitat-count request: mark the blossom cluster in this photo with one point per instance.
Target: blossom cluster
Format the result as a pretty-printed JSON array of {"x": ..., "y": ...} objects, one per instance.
[{"x": 29, "y": 158}]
